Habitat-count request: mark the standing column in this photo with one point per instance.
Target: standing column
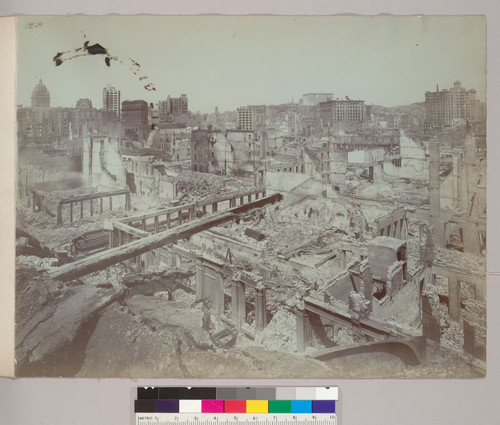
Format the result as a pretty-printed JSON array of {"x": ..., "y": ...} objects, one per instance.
[
  {"x": 127, "y": 201},
  {"x": 219, "y": 294},
  {"x": 260, "y": 308},
  {"x": 238, "y": 302},
  {"x": 454, "y": 298},
  {"x": 303, "y": 330},
  {"x": 435, "y": 199},
  {"x": 200, "y": 279},
  {"x": 111, "y": 239},
  {"x": 59, "y": 214}
]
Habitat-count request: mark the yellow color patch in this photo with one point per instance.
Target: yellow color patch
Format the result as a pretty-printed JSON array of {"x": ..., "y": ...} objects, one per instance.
[{"x": 257, "y": 406}]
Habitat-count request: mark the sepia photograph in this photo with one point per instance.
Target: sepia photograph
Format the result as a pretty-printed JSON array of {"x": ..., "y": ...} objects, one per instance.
[{"x": 251, "y": 197}]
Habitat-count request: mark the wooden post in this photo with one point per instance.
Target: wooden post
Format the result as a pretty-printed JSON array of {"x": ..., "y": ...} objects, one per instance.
[
  {"x": 100, "y": 204},
  {"x": 59, "y": 214},
  {"x": 81, "y": 209},
  {"x": 143, "y": 224},
  {"x": 91, "y": 207},
  {"x": 71, "y": 212},
  {"x": 168, "y": 221},
  {"x": 157, "y": 224},
  {"x": 111, "y": 203}
]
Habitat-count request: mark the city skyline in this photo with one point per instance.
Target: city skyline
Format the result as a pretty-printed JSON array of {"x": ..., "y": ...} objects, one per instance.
[{"x": 233, "y": 61}]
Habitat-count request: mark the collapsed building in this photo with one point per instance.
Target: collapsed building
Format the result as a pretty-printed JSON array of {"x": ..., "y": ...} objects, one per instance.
[{"x": 315, "y": 265}]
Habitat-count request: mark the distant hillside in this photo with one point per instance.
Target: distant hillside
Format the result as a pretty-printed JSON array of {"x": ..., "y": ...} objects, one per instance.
[{"x": 414, "y": 108}]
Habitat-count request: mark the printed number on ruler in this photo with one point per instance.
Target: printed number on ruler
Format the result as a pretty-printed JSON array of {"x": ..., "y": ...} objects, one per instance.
[{"x": 236, "y": 419}]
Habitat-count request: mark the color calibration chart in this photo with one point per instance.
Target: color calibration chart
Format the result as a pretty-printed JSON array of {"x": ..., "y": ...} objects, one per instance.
[{"x": 235, "y": 406}]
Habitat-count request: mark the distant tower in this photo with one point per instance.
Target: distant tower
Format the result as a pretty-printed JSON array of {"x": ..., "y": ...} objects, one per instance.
[
  {"x": 40, "y": 98},
  {"x": 111, "y": 100}
]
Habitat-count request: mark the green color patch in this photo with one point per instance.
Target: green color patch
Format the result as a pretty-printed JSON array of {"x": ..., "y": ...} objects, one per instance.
[{"x": 280, "y": 406}]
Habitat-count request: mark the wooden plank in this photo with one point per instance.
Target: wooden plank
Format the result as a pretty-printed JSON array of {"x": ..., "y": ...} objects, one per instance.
[
  {"x": 92, "y": 196},
  {"x": 156, "y": 213},
  {"x": 112, "y": 256},
  {"x": 330, "y": 256},
  {"x": 130, "y": 230}
]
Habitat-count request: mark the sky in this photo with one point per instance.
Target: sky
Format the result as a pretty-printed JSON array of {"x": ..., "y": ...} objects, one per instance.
[{"x": 235, "y": 61}]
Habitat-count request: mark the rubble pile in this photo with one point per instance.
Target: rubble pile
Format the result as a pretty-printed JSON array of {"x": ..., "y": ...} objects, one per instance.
[
  {"x": 277, "y": 336},
  {"x": 471, "y": 263},
  {"x": 49, "y": 233},
  {"x": 197, "y": 186}
]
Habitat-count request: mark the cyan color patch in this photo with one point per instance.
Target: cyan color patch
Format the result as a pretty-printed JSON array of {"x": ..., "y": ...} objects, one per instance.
[{"x": 301, "y": 406}]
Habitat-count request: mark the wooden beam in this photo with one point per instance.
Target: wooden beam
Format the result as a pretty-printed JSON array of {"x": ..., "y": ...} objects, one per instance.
[
  {"x": 155, "y": 213},
  {"x": 112, "y": 256},
  {"x": 330, "y": 256},
  {"x": 92, "y": 196},
  {"x": 130, "y": 230}
]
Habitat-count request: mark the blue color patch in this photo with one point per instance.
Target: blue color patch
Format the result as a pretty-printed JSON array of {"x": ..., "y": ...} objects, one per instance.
[{"x": 301, "y": 406}]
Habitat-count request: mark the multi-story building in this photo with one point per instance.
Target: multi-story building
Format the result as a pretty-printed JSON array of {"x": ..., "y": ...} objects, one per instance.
[
  {"x": 172, "y": 107},
  {"x": 246, "y": 118},
  {"x": 111, "y": 100},
  {"x": 40, "y": 97},
  {"x": 202, "y": 151},
  {"x": 442, "y": 107},
  {"x": 83, "y": 104},
  {"x": 134, "y": 113},
  {"x": 178, "y": 105},
  {"x": 343, "y": 111}
]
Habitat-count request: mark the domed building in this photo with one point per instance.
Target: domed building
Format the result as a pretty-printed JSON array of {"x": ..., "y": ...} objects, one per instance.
[{"x": 40, "y": 98}]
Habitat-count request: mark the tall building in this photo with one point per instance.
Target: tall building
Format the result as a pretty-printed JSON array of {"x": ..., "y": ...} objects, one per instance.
[
  {"x": 246, "y": 118},
  {"x": 111, "y": 100},
  {"x": 40, "y": 97},
  {"x": 343, "y": 111},
  {"x": 178, "y": 105},
  {"x": 442, "y": 107},
  {"x": 134, "y": 113}
]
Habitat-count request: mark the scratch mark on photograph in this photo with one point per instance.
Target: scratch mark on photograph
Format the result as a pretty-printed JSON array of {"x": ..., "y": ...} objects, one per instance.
[{"x": 97, "y": 49}]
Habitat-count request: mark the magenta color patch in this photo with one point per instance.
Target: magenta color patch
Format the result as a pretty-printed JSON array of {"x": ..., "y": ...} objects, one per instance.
[{"x": 212, "y": 406}]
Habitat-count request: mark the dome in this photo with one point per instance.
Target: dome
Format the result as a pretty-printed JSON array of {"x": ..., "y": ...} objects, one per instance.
[{"x": 40, "y": 97}]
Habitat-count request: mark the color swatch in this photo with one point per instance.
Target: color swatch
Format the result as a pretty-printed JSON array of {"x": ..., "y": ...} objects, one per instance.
[{"x": 236, "y": 400}]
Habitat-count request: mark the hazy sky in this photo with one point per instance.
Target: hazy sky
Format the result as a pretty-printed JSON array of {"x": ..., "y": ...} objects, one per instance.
[{"x": 234, "y": 61}]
